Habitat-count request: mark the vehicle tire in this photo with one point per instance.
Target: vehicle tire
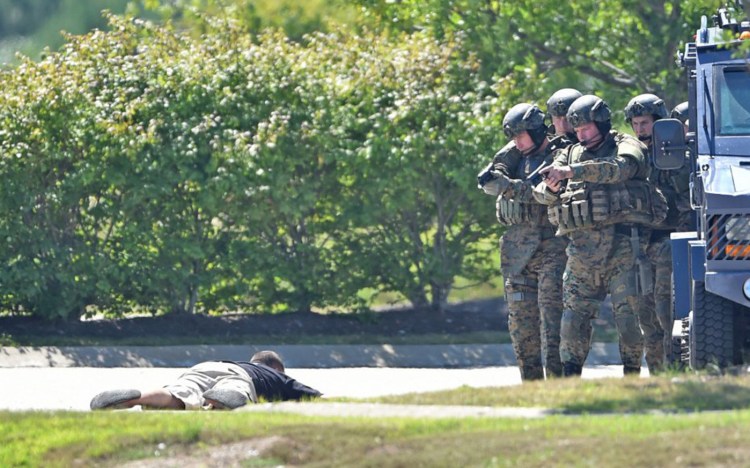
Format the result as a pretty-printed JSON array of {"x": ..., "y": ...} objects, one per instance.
[{"x": 712, "y": 330}]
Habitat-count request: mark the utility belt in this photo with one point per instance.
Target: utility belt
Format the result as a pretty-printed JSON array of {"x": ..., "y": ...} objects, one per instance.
[
  {"x": 587, "y": 205},
  {"x": 511, "y": 212}
]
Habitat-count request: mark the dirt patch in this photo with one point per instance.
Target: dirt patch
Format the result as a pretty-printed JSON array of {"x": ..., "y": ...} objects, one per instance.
[{"x": 236, "y": 454}]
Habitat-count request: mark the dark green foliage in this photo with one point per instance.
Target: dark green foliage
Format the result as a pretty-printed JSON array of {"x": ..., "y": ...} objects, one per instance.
[
  {"x": 150, "y": 169},
  {"x": 616, "y": 48}
]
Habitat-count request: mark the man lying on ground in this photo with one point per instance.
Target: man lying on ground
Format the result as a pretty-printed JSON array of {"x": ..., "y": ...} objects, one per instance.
[{"x": 215, "y": 385}]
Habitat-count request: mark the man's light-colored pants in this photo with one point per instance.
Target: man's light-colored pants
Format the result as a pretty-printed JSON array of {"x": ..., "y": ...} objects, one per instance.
[{"x": 191, "y": 385}]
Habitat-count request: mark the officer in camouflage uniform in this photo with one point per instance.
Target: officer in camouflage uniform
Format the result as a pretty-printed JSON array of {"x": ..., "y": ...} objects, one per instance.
[
  {"x": 557, "y": 108},
  {"x": 680, "y": 112},
  {"x": 655, "y": 309},
  {"x": 532, "y": 258},
  {"x": 599, "y": 197}
]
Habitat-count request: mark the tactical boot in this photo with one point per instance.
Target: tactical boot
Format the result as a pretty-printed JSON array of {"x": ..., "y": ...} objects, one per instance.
[
  {"x": 631, "y": 370},
  {"x": 655, "y": 356},
  {"x": 553, "y": 365},
  {"x": 654, "y": 365},
  {"x": 532, "y": 373},
  {"x": 571, "y": 369},
  {"x": 553, "y": 371}
]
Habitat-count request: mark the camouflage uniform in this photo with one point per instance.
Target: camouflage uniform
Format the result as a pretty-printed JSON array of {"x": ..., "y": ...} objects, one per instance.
[
  {"x": 600, "y": 257},
  {"x": 532, "y": 260},
  {"x": 655, "y": 308},
  {"x": 675, "y": 185}
]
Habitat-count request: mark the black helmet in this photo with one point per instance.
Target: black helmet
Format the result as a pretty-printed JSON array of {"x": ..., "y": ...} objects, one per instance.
[
  {"x": 560, "y": 101},
  {"x": 525, "y": 118},
  {"x": 588, "y": 108},
  {"x": 680, "y": 112},
  {"x": 522, "y": 117},
  {"x": 645, "y": 104}
]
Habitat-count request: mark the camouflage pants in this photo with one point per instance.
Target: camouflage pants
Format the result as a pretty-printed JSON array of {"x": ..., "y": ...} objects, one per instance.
[
  {"x": 600, "y": 261},
  {"x": 655, "y": 310},
  {"x": 534, "y": 298}
]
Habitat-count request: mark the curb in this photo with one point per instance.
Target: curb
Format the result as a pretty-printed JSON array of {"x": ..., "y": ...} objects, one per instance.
[{"x": 295, "y": 356}]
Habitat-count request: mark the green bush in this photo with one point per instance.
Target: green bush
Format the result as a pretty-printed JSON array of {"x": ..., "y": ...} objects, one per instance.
[{"x": 151, "y": 169}]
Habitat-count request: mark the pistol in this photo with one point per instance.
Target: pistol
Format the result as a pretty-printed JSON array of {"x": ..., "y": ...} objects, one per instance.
[
  {"x": 535, "y": 178},
  {"x": 485, "y": 175}
]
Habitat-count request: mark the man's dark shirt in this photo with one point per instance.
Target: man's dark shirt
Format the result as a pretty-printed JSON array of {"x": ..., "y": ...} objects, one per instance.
[{"x": 271, "y": 384}]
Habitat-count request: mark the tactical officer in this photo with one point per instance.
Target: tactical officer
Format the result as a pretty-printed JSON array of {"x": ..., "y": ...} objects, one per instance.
[
  {"x": 557, "y": 108},
  {"x": 532, "y": 258},
  {"x": 641, "y": 113},
  {"x": 680, "y": 112},
  {"x": 599, "y": 197},
  {"x": 655, "y": 308}
]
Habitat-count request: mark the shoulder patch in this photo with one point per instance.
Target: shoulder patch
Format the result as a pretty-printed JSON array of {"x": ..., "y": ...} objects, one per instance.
[
  {"x": 508, "y": 148},
  {"x": 630, "y": 146},
  {"x": 509, "y": 152},
  {"x": 624, "y": 137}
]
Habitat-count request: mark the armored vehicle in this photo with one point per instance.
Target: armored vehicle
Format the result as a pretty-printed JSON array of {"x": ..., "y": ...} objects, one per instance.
[{"x": 711, "y": 279}]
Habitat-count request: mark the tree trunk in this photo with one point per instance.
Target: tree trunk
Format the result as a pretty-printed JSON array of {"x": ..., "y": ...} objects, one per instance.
[{"x": 440, "y": 296}]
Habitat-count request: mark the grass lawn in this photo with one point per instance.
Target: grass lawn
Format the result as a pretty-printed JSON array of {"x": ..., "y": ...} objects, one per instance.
[
  {"x": 674, "y": 392},
  {"x": 631, "y": 433}
]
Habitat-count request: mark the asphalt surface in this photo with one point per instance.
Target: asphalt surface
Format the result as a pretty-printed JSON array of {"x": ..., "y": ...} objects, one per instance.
[
  {"x": 295, "y": 356},
  {"x": 67, "y": 378}
]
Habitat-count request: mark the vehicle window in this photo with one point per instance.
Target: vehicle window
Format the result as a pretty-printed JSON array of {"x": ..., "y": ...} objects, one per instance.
[{"x": 733, "y": 105}]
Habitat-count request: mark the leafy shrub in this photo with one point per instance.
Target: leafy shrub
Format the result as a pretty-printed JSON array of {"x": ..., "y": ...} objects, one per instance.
[{"x": 150, "y": 169}]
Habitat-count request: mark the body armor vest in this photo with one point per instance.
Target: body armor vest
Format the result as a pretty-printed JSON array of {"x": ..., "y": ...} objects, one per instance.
[
  {"x": 586, "y": 205},
  {"x": 510, "y": 211}
]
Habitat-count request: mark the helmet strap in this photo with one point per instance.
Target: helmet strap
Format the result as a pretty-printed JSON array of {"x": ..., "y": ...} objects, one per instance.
[
  {"x": 604, "y": 127},
  {"x": 538, "y": 135}
]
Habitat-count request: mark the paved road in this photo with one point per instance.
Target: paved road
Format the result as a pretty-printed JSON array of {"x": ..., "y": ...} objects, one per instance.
[
  {"x": 299, "y": 356},
  {"x": 71, "y": 388},
  {"x": 48, "y": 378}
]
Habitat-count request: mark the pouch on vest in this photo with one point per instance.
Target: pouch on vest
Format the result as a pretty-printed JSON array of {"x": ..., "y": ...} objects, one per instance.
[
  {"x": 633, "y": 201},
  {"x": 510, "y": 212}
]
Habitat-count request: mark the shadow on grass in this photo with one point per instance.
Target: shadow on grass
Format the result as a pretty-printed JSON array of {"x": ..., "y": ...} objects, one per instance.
[{"x": 676, "y": 397}]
